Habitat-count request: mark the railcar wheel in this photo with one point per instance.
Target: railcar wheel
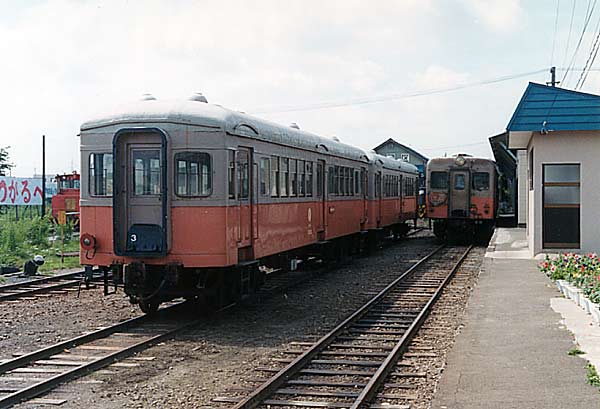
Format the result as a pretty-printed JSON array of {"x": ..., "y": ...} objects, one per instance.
[{"x": 149, "y": 307}]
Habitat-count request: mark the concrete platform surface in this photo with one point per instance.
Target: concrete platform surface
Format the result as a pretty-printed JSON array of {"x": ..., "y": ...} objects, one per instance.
[{"x": 512, "y": 352}]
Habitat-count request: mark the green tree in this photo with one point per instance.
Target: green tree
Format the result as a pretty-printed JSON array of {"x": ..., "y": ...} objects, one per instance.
[{"x": 5, "y": 165}]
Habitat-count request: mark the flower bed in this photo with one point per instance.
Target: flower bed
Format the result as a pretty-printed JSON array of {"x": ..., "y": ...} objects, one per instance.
[{"x": 577, "y": 277}]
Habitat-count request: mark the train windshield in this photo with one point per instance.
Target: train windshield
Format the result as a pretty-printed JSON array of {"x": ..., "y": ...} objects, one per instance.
[
  {"x": 439, "y": 180},
  {"x": 481, "y": 181}
]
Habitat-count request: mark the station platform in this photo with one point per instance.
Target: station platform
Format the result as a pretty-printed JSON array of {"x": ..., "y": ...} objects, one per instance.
[{"x": 513, "y": 349}]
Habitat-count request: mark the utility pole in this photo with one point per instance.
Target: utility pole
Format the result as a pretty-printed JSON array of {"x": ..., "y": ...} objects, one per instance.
[
  {"x": 43, "y": 175},
  {"x": 553, "y": 81}
]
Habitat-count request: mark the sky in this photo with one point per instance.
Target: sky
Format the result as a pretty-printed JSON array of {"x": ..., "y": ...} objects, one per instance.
[{"x": 336, "y": 68}]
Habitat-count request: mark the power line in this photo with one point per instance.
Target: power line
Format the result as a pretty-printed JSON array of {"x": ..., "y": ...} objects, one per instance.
[
  {"x": 555, "y": 30},
  {"x": 570, "y": 30},
  {"x": 591, "y": 58},
  {"x": 587, "y": 19},
  {"x": 392, "y": 97}
]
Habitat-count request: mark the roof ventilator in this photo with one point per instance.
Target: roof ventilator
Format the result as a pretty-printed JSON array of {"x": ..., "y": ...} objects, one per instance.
[
  {"x": 198, "y": 97},
  {"x": 148, "y": 97},
  {"x": 294, "y": 125}
]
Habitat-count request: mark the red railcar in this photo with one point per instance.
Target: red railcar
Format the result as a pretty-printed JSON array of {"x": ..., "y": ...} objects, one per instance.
[
  {"x": 462, "y": 196},
  {"x": 65, "y": 203},
  {"x": 192, "y": 199}
]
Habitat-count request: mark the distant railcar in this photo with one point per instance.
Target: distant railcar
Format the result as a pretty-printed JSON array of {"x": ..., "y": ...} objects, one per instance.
[
  {"x": 190, "y": 199},
  {"x": 65, "y": 203},
  {"x": 462, "y": 196}
]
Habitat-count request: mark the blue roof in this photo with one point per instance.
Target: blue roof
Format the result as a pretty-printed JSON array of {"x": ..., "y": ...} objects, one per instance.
[{"x": 546, "y": 108}]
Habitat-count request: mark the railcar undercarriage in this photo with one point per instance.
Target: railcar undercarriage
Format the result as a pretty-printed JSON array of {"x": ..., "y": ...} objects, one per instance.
[{"x": 149, "y": 285}]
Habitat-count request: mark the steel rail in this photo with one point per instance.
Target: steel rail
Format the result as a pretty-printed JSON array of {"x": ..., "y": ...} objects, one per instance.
[
  {"x": 47, "y": 385},
  {"x": 386, "y": 367},
  {"x": 41, "y": 280},
  {"x": 275, "y": 382}
]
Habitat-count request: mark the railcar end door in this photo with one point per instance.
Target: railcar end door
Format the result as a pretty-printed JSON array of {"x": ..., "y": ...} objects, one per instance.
[
  {"x": 460, "y": 192},
  {"x": 140, "y": 199}
]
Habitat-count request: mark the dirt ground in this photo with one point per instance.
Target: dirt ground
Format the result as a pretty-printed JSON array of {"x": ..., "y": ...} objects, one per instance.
[{"x": 198, "y": 365}]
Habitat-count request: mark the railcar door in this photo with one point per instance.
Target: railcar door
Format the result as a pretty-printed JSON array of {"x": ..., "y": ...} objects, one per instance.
[
  {"x": 321, "y": 199},
  {"x": 460, "y": 192},
  {"x": 140, "y": 194},
  {"x": 378, "y": 197},
  {"x": 363, "y": 189},
  {"x": 245, "y": 195}
]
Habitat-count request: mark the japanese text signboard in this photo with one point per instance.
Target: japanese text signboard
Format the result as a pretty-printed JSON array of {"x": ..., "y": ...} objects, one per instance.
[{"x": 20, "y": 191}]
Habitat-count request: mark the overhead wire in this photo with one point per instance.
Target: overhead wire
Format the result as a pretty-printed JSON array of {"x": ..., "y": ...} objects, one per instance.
[
  {"x": 591, "y": 58},
  {"x": 588, "y": 16},
  {"x": 392, "y": 97},
  {"x": 555, "y": 31},
  {"x": 570, "y": 31}
]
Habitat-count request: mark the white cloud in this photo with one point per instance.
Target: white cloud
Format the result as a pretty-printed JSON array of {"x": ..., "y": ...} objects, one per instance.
[{"x": 501, "y": 16}]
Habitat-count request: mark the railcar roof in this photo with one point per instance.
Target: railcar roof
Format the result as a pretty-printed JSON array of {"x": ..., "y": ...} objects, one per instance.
[
  {"x": 196, "y": 113},
  {"x": 392, "y": 163}
]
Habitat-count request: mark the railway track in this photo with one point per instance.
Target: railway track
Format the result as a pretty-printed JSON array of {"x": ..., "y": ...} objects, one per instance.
[
  {"x": 30, "y": 375},
  {"x": 47, "y": 285},
  {"x": 358, "y": 364}
]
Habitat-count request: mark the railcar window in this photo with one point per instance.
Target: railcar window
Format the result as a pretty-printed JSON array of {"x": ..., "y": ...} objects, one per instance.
[
  {"x": 293, "y": 177},
  {"x": 309, "y": 179},
  {"x": 331, "y": 181},
  {"x": 351, "y": 181},
  {"x": 101, "y": 174},
  {"x": 243, "y": 174},
  {"x": 481, "y": 181},
  {"x": 459, "y": 181},
  {"x": 356, "y": 182},
  {"x": 146, "y": 172},
  {"x": 378, "y": 185},
  {"x": 439, "y": 180},
  {"x": 194, "y": 173},
  {"x": 320, "y": 180},
  {"x": 301, "y": 178},
  {"x": 284, "y": 176},
  {"x": 274, "y": 176},
  {"x": 264, "y": 176},
  {"x": 231, "y": 174}
]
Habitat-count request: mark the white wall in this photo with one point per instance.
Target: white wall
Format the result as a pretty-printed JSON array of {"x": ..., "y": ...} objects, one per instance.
[
  {"x": 568, "y": 147},
  {"x": 522, "y": 186}
]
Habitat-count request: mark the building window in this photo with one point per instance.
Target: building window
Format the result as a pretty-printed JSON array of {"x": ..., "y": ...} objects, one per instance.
[
  {"x": 193, "y": 176},
  {"x": 561, "y": 206},
  {"x": 146, "y": 172},
  {"x": 439, "y": 180},
  {"x": 101, "y": 174}
]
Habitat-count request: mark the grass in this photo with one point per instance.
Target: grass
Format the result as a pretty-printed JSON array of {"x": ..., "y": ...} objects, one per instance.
[
  {"x": 21, "y": 239},
  {"x": 575, "y": 351},
  {"x": 592, "y": 375}
]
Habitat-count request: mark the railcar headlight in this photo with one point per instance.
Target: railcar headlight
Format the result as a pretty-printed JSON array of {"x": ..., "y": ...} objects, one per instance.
[
  {"x": 460, "y": 160},
  {"x": 87, "y": 241}
]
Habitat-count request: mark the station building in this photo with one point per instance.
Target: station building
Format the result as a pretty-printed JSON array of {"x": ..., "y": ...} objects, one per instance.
[
  {"x": 404, "y": 153},
  {"x": 556, "y": 135}
]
